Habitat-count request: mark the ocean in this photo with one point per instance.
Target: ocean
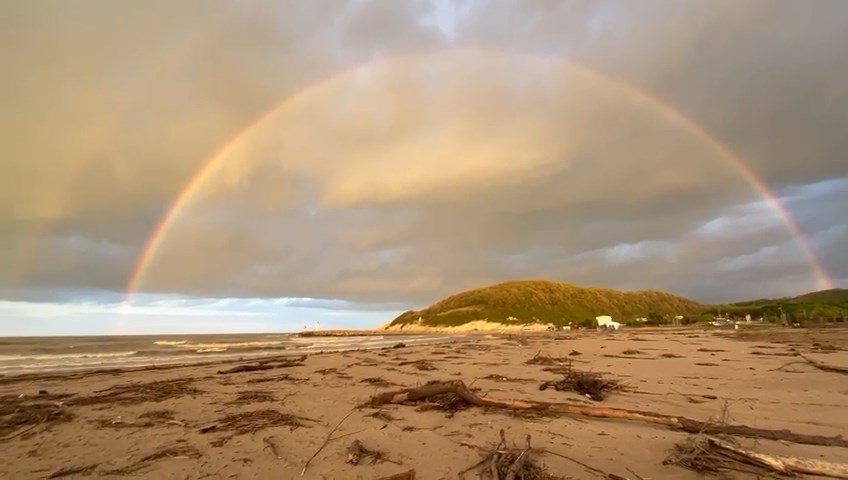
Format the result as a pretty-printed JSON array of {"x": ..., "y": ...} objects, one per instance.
[{"x": 19, "y": 355}]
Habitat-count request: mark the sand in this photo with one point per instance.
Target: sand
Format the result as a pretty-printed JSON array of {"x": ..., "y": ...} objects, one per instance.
[{"x": 267, "y": 423}]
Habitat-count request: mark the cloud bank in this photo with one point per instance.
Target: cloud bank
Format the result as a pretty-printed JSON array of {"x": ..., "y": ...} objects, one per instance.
[{"x": 421, "y": 147}]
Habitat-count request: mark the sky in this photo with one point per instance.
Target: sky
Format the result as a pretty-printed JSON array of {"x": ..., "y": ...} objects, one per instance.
[{"x": 196, "y": 166}]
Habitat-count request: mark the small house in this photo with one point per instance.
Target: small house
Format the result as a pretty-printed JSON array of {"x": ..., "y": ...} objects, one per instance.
[{"x": 606, "y": 322}]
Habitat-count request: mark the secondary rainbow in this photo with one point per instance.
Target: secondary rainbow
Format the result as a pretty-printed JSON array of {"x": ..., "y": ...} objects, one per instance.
[{"x": 191, "y": 188}]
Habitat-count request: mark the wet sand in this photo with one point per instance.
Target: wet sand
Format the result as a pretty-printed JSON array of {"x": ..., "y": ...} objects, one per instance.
[{"x": 268, "y": 423}]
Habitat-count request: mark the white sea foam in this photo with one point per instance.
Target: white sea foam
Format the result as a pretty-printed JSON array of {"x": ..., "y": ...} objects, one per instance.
[
  {"x": 257, "y": 345},
  {"x": 63, "y": 356},
  {"x": 186, "y": 352}
]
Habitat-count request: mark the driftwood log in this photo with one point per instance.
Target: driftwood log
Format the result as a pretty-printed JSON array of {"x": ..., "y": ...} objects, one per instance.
[
  {"x": 825, "y": 367},
  {"x": 245, "y": 368},
  {"x": 264, "y": 365},
  {"x": 407, "y": 475},
  {"x": 784, "y": 465},
  {"x": 458, "y": 388}
]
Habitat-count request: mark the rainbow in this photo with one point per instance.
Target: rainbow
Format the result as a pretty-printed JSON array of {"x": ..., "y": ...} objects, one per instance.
[
  {"x": 55, "y": 194},
  {"x": 195, "y": 184}
]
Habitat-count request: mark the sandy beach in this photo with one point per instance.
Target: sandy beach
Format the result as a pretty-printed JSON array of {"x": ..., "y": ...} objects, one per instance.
[{"x": 193, "y": 422}]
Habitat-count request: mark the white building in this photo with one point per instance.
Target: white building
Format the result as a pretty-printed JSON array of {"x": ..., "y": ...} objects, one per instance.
[{"x": 605, "y": 321}]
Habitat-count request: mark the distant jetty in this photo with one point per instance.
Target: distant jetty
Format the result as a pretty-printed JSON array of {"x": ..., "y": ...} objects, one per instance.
[{"x": 348, "y": 333}]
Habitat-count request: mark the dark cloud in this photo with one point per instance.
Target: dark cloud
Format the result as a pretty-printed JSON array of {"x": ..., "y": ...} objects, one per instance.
[{"x": 467, "y": 151}]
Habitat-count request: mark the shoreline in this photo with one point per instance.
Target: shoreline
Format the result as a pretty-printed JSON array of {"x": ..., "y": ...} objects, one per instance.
[{"x": 185, "y": 359}]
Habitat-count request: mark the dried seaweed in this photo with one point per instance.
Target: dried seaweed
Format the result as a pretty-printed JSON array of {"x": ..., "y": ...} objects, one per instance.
[
  {"x": 356, "y": 452},
  {"x": 504, "y": 379},
  {"x": 252, "y": 396},
  {"x": 381, "y": 415},
  {"x": 423, "y": 365},
  {"x": 539, "y": 359},
  {"x": 119, "y": 422},
  {"x": 253, "y": 421},
  {"x": 283, "y": 377},
  {"x": 377, "y": 382},
  {"x": 161, "y": 414},
  {"x": 591, "y": 384},
  {"x": 176, "y": 450},
  {"x": 334, "y": 371},
  {"x": 79, "y": 470},
  {"x": 134, "y": 393},
  {"x": 23, "y": 412}
]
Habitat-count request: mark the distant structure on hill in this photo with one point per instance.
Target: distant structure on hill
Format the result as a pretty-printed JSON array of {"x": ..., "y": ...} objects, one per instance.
[{"x": 606, "y": 321}]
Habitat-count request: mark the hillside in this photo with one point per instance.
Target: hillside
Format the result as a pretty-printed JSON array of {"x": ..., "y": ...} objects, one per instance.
[
  {"x": 547, "y": 302},
  {"x": 825, "y": 304}
]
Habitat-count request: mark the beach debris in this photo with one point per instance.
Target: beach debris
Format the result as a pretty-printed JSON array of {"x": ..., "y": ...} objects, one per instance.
[
  {"x": 357, "y": 452},
  {"x": 407, "y": 475},
  {"x": 480, "y": 347},
  {"x": 245, "y": 368},
  {"x": 399, "y": 345},
  {"x": 152, "y": 418},
  {"x": 133, "y": 393},
  {"x": 460, "y": 390},
  {"x": 161, "y": 414},
  {"x": 574, "y": 353},
  {"x": 267, "y": 364},
  {"x": 80, "y": 470},
  {"x": 252, "y": 396},
  {"x": 20, "y": 413},
  {"x": 377, "y": 382},
  {"x": 208, "y": 428},
  {"x": 824, "y": 366},
  {"x": 775, "y": 354},
  {"x": 423, "y": 365},
  {"x": 283, "y": 377},
  {"x": 672, "y": 355},
  {"x": 518, "y": 339},
  {"x": 381, "y": 415},
  {"x": 504, "y": 463},
  {"x": 334, "y": 371},
  {"x": 556, "y": 369},
  {"x": 628, "y": 357},
  {"x": 705, "y": 453},
  {"x": 282, "y": 362},
  {"x": 365, "y": 362},
  {"x": 539, "y": 359},
  {"x": 592, "y": 385},
  {"x": 119, "y": 422},
  {"x": 504, "y": 379},
  {"x": 325, "y": 442},
  {"x": 177, "y": 450},
  {"x": 253, "y": 421},
  {"x": 272, "y": 445},
  {"x": 631, "y": 351}
]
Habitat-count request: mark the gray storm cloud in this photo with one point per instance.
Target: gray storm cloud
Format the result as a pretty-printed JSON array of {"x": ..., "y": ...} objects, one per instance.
[{"x": 421, "y": 148}]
